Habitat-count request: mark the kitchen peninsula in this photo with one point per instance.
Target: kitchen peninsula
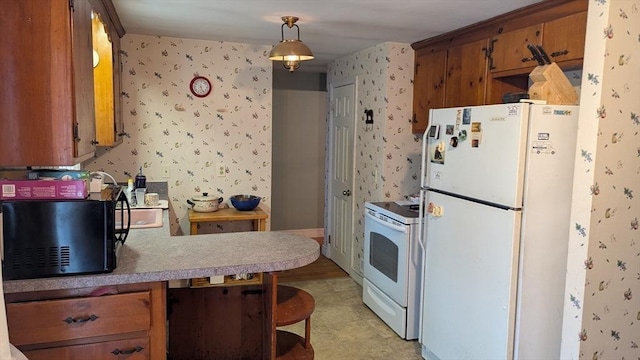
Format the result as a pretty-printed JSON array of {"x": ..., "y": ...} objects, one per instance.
[{"x": 66, "y": 317}]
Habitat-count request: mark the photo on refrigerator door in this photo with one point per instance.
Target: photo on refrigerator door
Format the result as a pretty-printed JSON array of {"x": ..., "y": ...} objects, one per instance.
[
  {"x": 437, "y": 153},
  {"x": 476, "y": 134}
]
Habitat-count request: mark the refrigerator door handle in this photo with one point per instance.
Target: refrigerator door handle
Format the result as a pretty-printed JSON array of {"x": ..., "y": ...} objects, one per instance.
[{"x": 421, "y": 224}]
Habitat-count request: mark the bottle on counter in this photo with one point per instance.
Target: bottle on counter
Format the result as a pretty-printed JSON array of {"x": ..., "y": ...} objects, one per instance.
[{"x": 128, "y": 191}]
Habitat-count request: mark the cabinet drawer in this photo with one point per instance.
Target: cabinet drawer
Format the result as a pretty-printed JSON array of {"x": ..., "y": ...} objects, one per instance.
[
  {"x": 65, "y": 319},
  {"x": 129, "y": 349}
]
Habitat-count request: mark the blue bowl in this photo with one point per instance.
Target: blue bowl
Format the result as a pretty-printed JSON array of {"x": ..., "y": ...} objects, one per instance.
[{"x": 244, "y": 202}]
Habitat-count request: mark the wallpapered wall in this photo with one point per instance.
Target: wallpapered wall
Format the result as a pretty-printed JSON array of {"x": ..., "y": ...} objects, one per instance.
[
  {"x": 602, "y": 309},
  {"x": 167, "y": 125},
  {"x": 385, "y": 84}
]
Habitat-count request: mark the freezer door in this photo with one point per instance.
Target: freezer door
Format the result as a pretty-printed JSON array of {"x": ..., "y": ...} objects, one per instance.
[
  {"x": 470, "y": 274},
  {"x": 478, "y": 152}
]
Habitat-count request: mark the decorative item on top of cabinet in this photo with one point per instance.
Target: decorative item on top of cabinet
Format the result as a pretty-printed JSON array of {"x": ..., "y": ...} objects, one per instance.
[
  {"x": 46, "y": 93},
  {"x": 428, "y": 86}
]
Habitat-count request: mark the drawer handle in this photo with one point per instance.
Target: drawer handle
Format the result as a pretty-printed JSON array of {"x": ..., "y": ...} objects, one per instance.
[
  {"x": 127, "y": 352},
  {"x": 71, "y": 320}
]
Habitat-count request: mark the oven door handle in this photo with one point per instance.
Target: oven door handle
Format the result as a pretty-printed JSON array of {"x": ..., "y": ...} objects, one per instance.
[{"x": 402, "y": 229}]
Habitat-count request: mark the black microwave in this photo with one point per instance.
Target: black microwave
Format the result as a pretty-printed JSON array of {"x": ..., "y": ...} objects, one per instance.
[{"x": 44, "y": 238}]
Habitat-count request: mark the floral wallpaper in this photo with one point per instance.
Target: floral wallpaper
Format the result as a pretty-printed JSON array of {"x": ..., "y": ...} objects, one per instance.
[
  {"x": 387, "y": 158},
  {"x": 169, "y": 128},
  {"x": 602, "y": 309}
]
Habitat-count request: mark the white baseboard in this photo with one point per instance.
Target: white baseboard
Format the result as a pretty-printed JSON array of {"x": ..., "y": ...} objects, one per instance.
[
  {"x": 356, "y": 276},
  {"x": 312, "y": 233}
]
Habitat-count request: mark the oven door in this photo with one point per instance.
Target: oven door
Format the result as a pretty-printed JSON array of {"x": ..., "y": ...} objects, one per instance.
[{"x": 386, "y": 254}]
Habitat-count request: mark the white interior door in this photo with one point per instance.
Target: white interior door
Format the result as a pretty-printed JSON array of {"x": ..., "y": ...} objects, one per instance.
[{"x": 342, "y": 151}]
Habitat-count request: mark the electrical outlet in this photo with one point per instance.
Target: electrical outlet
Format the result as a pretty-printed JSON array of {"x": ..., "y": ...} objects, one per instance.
[
  {"x": 221, "y": 170},
  {"x": 166, "y": 171}
]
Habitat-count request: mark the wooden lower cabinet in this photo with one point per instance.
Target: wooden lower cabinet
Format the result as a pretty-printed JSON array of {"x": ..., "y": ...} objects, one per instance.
[
  {"x": 129, "y": 349},
  {"x": 127, "y": 323},
  {"x": 216, "y": 323},
  {"x": 222, "y": 322},
  {"x": 239, "y": 322}
]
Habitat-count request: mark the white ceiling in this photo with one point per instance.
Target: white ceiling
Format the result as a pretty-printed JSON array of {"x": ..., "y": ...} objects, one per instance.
[{"x": 331, "y": 28}]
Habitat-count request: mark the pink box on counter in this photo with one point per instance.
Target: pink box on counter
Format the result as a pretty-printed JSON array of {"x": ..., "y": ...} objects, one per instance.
[{"x": 43, "y": 189}]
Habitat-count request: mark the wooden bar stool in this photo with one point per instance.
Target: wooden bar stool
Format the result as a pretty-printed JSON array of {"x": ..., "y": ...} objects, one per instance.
[{"x": 293, "y": 305}]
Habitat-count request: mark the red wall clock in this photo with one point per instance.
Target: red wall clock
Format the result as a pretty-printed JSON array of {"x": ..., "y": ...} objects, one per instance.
[{"x": 200, "y": 86}]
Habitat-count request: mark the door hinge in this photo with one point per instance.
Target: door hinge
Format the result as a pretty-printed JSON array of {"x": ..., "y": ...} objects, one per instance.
[
  {"x": 71, "y": 4},
  {"x": 329, "y": 239},
  {"x": 488, "y": 52}
]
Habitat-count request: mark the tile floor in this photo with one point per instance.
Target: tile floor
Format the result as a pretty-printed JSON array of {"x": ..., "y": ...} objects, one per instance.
[{"x": 342, "y": 327}]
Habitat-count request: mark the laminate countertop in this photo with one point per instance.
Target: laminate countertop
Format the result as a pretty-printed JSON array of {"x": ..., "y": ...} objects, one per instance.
[{"x": 153, "y": 255}]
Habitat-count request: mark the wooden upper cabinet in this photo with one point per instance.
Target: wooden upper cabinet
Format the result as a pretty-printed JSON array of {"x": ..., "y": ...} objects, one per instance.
[
  {"x": 46, "y": 92},
  {"x": 509, "y": 49},
  {"x": 428, "y": 86},
  {"x": 563, "y": 39},
  {"x": 466, "y": 74}
]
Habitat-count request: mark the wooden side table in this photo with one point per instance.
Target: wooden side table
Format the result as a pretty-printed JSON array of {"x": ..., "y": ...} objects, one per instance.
[{"x": 258, "y": 216}]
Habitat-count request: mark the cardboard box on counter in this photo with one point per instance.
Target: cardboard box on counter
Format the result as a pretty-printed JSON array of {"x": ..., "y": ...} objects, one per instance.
[{"x": 43, "y": 189}]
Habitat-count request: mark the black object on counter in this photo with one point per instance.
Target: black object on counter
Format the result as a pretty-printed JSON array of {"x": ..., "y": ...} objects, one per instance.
[
  {"x": 141, "y": 180},
  {"x": 514, "y": 97}
]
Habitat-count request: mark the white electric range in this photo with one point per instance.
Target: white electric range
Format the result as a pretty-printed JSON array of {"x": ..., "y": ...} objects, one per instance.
[{"x": 392, "y": 265}]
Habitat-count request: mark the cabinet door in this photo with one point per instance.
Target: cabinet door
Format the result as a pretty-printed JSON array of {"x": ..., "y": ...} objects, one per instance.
[
  {"x": 428, "y": 86},
  {"x": 36, "y": 120},
  {"x": 103, "y": 77},
  {"x": 563, "y": 39},
  {"x": 510, "y": 50},
  {"x": 83, "y": 80},
  {"x": 466, "y": 74}
]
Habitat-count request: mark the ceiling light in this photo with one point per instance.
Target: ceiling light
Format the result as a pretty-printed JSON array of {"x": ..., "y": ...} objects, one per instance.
[{"x": 291, "y": 51}]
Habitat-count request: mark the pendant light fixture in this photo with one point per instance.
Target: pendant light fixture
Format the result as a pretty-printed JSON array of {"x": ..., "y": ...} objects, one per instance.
[{"x": 290, "y": 51}]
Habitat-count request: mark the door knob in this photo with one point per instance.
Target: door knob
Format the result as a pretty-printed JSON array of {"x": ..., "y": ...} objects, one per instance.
[{"x": 346, "y": 193}]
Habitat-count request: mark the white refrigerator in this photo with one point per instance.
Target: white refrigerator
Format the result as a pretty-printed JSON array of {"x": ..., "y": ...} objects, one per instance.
[{"x": 496, "y": 194}]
